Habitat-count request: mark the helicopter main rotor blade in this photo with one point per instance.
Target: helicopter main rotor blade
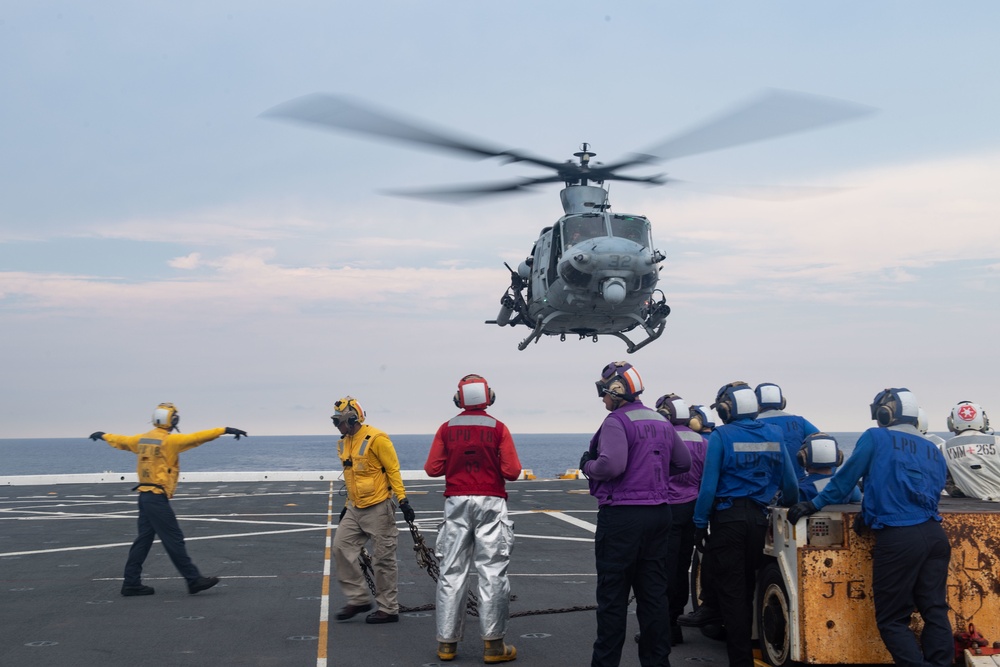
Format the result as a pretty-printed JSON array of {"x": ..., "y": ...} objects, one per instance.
[
  {"x": 772, "y": 114},
  {"x": 340, "y": 112},
  {"x": 466, "y": 193}
]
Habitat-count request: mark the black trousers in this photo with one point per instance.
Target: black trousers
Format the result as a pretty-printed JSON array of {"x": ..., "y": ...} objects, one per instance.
[
  {"x": 157, "y": 519},
  {"x": 630, "y": 546},
  {"x": 680, "y": 548},
  {"x": 910, "y": 571},
  {"x": 735, "y": 550}
]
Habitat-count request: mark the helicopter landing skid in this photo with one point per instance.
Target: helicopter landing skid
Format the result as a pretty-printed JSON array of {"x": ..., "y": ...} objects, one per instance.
[
  {"x": 538, "y": 331},
  {"x": 654, "y": 333}
]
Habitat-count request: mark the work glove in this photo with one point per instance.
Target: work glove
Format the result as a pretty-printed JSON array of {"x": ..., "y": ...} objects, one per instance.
[
  {"x": 700, "y": 539},
  {"x": 799, "y": 510},
  {"x": 587, "y": 456},
  {"x": 237, "y": 432},
  {"x": 408, "y": 512},
  {"x": 97, "y": 435},
  {"x": 343, "y": 512}
]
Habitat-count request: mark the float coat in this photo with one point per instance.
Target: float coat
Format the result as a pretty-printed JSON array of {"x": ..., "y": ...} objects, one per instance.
[
  {"x": 371, "y": 468},
  {"x": 974, "y": 463},
  {"x": 158, "y": 450}
]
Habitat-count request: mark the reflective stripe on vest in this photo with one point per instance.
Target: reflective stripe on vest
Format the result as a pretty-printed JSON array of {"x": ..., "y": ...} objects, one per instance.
[
  {"x": 473, "y": 420},
  {"x": 756, "y": 446}
]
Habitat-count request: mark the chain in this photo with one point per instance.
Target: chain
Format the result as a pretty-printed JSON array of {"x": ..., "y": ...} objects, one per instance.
[{"x": 426, "y": 560}]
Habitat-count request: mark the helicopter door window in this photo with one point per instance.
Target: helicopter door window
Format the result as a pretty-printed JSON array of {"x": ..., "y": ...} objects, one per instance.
[
  {"x": 581, "y": 228},
  {"x": 631, "y": 228}
]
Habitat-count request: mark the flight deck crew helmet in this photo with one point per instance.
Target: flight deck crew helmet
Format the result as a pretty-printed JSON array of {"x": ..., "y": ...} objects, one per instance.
[
  {"x": 922, "y": 424},
  {"x": 347, "y": 410},
  {"x": 474, "y": 393},
  {"x": 166, "y": 416},
  {"x": 620, "y": 380},
  {"x": 700, "y": 421},
  {"x": 820, "y": 450},
  {"x": 769, "y": 396},
  {"x": 735, "y": 400},
  {"x": 968, "y": 416},
  {"x": 895, "y": 406},
  {"x": 674, "y": 408}
]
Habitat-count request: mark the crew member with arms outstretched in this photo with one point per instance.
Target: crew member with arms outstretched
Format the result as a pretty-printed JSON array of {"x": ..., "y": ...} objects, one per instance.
[{"x": 158, "y": 470}]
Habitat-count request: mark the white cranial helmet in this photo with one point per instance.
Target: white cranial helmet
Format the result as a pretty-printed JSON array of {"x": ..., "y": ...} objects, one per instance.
[{"x": 968, "y": 416}]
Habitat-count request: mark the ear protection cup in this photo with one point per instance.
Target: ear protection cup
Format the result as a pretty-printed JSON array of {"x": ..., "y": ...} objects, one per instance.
[
  {"x": 884, "y": 415},
  {"x": 695, "y": 423},
  {"x": 803, "y": 456},
  {"x": 724, "y": 410}
]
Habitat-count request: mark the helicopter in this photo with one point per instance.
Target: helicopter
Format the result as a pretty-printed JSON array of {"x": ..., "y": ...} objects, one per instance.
[{"x": 593, "y": 272}]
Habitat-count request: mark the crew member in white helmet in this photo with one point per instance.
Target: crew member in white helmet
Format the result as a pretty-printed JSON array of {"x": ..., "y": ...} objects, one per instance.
[
  {"x": 794, "y": 428},
  {"x": 158, "y": 459},
  {"x": 475, "y": 453},
  {"x": 819, "y": 457},
  {"x": 973, "y": 454}
]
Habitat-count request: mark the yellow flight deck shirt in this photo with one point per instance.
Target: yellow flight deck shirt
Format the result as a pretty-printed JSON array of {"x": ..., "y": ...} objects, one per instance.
[
  {"x": 158, "y": 451},
  {"x": 372, "y": 469}
]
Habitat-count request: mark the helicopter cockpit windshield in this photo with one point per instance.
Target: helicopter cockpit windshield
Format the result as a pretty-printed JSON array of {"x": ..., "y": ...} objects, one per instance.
[
  {"x": 633, "y": 228},
  {"x": 579, "y": 228}
]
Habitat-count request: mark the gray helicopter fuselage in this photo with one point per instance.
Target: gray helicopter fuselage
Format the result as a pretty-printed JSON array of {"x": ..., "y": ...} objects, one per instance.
[{"x": 592, "y": 273}]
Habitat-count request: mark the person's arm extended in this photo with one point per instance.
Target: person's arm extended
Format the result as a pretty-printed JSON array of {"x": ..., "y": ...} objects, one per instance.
[{"x": 709, "y": 482}]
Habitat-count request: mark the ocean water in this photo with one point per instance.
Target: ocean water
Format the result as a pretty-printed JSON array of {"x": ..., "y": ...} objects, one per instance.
[{"x": 546, "y": 454}]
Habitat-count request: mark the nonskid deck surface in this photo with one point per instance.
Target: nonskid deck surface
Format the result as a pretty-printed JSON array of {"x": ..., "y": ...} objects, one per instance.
[{"x": 62, "y": 549}]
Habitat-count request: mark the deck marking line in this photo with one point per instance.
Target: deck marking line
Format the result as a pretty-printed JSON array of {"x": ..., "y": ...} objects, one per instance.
[
  {"x": 324, "y": 601},
  {"x": 579, "y": 523}
]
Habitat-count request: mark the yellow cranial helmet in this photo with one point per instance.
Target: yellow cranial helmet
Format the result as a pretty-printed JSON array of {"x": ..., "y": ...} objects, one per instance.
[
  {"x": 166, "y": 416},
  {"x": 347, "y": 410}
]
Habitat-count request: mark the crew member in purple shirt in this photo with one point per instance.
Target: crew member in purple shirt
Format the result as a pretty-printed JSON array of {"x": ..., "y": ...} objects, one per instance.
[
  {"x": 628, "y": 464},
  {"x": 681, "y": 497}
]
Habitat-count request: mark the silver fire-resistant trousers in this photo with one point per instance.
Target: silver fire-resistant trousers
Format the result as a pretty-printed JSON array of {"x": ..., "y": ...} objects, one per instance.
[{"x": 475, "y": 529}]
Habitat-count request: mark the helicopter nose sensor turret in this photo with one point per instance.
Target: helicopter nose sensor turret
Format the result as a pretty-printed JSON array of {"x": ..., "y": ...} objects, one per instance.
[{"x": 613, "y": 290}]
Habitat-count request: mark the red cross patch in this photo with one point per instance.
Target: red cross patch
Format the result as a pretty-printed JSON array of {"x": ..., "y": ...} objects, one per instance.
[{"x": 967, "y": 412}]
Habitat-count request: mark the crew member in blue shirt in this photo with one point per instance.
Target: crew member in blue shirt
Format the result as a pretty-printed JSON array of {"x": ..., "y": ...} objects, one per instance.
[
  {"x": 745, "y": 467},
  {"x": 772, "y": 404},
  {"x": 904, "y": 474}
]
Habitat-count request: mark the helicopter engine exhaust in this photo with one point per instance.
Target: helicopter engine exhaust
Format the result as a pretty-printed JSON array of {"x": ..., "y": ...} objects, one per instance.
[{"x": 613, "y": 290}]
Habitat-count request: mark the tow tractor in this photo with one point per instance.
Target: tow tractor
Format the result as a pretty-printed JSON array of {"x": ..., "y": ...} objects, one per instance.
[{"x": 814, "y": 594}]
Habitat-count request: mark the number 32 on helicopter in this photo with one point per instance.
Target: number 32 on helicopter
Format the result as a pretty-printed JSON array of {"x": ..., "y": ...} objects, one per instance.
[{"x": 594, "y": 272}]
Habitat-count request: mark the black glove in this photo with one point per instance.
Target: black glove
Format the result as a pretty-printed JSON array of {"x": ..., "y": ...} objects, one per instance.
[
  {"x": 587, "y": 456},
  {"x": 408, "y": 512},
  {"x": 235, "y": 431},
  {"x": 97, "y": 435},
  {"x": 859, "y": 525},
  {"x": 343, "y": 512},
  {"x": 700, "y": 539},
  {"x": 799, "y": 510}
]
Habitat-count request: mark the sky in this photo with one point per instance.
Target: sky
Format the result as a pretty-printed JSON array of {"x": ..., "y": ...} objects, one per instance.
[{"x": 160, "y": 240}]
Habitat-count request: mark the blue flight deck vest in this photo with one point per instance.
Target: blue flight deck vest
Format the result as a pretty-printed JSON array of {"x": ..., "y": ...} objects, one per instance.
[
  {"x": 905, "y": 479},
  {"x": 794, "y": 430},
  {"x": 752, "y": 462}
]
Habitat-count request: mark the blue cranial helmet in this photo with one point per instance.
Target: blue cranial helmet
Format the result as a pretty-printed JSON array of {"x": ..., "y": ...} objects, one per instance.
[
  {"x": 820, "y": 450},
  {"x": 769, "y": 396},
  {"x": 894, "y": 406},
  {"x": 735, "y": 400},
  {"x": 700, "y": 419}
]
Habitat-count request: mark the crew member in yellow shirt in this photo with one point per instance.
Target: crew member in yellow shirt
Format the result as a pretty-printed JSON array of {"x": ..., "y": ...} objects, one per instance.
[{"x": 158, "y": 469}]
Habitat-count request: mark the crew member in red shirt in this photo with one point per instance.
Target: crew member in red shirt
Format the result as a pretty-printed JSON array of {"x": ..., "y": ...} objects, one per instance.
[{"x": 476, "y": 455}]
